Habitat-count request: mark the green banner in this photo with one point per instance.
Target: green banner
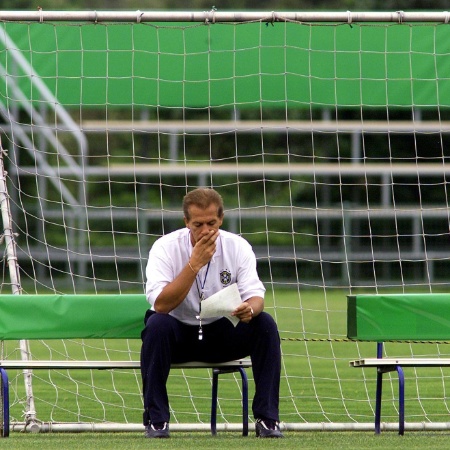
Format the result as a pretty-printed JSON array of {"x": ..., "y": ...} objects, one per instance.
[{"x": 227, "y": 65}]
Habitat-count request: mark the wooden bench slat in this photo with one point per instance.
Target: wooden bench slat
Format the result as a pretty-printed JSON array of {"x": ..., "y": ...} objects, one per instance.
[
  {"x": 405, "y": 362},
  {"x": 36, "y": 364}
]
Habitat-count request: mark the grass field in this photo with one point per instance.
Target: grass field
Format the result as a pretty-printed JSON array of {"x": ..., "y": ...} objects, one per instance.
[
  {"x": 227, "y": 441},
  {"x": 317, "y": 386}
]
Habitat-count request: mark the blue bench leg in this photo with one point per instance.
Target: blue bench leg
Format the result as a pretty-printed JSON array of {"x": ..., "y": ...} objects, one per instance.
[
  {"x": 401, "y": 401},
  {"x": 401, "y": 398},
  {"x": 5, "y": 402},
  {"x": 378, "y": 397},
  {"x": 215, "y": 386},
  {"x": 244, "y": 402}
]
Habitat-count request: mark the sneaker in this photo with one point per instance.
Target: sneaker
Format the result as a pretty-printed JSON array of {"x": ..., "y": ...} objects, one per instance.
[
  {"x": 266, "y": 428},
  {"x": 157, "y": 430}
]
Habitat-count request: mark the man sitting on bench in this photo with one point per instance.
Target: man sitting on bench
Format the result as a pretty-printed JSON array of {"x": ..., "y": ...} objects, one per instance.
[{"x": 184, "y": 268}]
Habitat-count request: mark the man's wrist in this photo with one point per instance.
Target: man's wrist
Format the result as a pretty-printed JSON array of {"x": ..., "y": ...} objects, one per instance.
[{"x": 193, "y": 270}]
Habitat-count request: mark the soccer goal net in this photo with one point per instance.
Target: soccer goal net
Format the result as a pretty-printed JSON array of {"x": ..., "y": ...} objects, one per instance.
[{"x": 325, "y": 134}]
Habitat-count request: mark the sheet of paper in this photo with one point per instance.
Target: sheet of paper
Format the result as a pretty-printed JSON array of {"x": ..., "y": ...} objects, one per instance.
[{"x": 222, "y": 303}]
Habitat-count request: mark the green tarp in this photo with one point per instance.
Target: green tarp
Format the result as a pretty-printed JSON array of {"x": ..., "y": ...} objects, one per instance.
[
  {"x": 398, "y": 317},
  {"x": 226, "y": 65},
  {"x": 71, "y": 316}
]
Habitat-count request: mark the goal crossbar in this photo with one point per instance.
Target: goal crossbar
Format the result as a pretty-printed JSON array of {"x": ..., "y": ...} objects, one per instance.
[{"x": 214, "y": 16}]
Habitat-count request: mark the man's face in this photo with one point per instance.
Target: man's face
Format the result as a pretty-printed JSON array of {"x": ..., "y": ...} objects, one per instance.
[{"x": 202, "y": 221}]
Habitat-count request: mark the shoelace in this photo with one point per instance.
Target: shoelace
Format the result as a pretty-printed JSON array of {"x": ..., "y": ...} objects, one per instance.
[
  {"x": 268, "y": 424},
  {"x": 159, "y": 426}
]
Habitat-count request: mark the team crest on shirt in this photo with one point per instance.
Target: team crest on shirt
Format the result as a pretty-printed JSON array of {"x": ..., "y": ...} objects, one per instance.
[{"x": 225, "y": 277}]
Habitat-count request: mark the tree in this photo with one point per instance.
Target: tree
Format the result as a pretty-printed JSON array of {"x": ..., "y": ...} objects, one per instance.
[{"x": 263, "y": 5}]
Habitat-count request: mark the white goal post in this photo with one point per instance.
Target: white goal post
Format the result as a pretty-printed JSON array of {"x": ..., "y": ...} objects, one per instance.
[{"x": 327, "y": 135}]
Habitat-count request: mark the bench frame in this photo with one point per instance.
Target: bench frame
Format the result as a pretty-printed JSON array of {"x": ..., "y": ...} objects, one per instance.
[
  {"x": 385, "y": 365},
  {"x": 218, "y": 368},
  {"x": 380, "y": 318}
]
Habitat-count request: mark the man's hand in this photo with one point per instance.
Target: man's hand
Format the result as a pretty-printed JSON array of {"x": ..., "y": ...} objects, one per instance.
[
  {"x": 244, "y": 312},
  {"x": 204, "y": 249}
]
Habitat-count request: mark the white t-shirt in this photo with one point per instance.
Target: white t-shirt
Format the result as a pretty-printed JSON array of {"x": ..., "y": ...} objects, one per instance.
[{"x": 233, "y": 262}]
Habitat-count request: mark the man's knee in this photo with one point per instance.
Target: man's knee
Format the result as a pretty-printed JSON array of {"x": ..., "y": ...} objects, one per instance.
[
  {"x": 266, "y": 325},
  {"x": 158, "y": 325},
  {"x": 265, "y": 320}
]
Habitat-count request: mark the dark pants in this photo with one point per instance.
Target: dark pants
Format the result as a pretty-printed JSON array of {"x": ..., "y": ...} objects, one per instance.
[{"x": 166, "y": 340}]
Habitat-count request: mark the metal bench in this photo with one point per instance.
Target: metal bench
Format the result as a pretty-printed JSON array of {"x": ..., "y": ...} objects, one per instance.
[
  {"x": 397, "y": 317},
  {"x": 90, "y": 317}
]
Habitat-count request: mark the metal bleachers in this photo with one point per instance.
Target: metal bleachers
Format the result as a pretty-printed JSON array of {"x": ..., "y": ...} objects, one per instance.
[{"x": 352, "y": 248}]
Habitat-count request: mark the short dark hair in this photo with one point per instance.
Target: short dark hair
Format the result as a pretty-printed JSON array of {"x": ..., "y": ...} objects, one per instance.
[{"x": 202, "y": 197}]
